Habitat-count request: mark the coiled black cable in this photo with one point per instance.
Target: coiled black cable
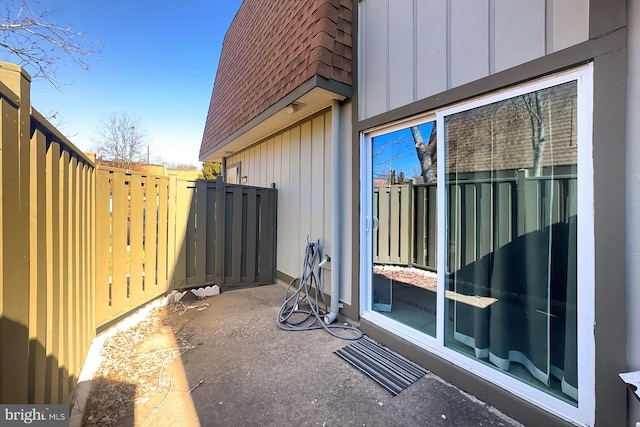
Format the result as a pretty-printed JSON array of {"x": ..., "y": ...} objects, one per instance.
[{"x": 304, "y": 307}]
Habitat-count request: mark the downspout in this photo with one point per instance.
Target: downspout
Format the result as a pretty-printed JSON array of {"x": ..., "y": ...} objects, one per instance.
[{"x": 335, "y": 213}]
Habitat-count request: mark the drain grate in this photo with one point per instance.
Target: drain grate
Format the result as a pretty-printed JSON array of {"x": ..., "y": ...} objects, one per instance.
[{"x": 391, "y": 371}]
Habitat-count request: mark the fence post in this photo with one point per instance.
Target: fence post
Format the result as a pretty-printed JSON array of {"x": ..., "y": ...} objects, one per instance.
[
  {"x": 183, "y": 206},
  {"x": 14, "y": 233},
  {"x": 220, "y": 230},
  {"x": 201, "y": 230}
]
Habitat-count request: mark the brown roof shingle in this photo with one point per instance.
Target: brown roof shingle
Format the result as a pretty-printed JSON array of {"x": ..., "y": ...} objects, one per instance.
[{"x": 271, "y": 48}]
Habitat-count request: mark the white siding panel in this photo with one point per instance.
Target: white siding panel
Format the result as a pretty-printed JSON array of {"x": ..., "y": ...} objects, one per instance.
[
  {"x": 241, "y": 158},
  {"x": 469, "y": 40},
  {"x": 569, "y": 21},
  {"x": 292, "y": 218},
  {"x": 633, "y": 198},
  {"x": 262, "y": 154},
  {"x": 305, "y": 183},
  {"x": 519, "y": 32},
  {"x": 316, "y": 172},
  {"x": 401, "y": 53},
  {"x": 247, "y": 168},
  {"x": 277, "y": 160},
  {"x": 270, "y": 169},
  {"x": 299, "y": 162},
  {"x": 412, "y": 49},
  {"x": 242, "y": 161},
  {"x": 258, "y": 164},
  {"x": 254, "y": 162},
  {"x": 375, "y": 64},
  {"x": 431, "y": 48}
]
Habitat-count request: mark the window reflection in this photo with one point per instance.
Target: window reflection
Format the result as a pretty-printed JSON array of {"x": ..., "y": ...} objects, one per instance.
[
  {"x": 405, "y": 234},
  {"x": 511, "y": 203}
]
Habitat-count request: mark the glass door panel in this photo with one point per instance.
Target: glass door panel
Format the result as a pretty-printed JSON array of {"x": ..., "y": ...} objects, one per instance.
[
  {"x": 511, "y": 236},
  {"x": 404, "y": 281}
]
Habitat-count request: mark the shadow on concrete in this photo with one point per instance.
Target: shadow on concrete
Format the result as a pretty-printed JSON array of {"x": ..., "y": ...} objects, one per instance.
[{"x": 253, "y": 373}]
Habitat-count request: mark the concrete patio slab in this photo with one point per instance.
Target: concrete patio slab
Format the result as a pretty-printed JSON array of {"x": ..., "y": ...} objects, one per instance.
[{"x": 250, "y": 372}]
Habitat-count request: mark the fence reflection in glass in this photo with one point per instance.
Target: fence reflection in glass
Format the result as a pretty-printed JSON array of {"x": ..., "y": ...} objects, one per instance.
[
  {"x": 511, "y": 213},
  {"x": 405, "y": 233}
]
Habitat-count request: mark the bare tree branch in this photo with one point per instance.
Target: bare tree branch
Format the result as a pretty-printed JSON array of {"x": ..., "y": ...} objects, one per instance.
[
  {"x": 427, "y": 153},
  {"x": 41, "y": 46}
]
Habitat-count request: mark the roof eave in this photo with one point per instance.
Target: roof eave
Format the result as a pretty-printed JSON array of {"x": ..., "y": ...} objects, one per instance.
[{"x": 310, "y": 97}]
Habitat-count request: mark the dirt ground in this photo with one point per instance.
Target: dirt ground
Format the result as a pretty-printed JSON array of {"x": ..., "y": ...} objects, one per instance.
[
  {"x": 141, "y": 373},
  {"x": 410, "y": 275}
]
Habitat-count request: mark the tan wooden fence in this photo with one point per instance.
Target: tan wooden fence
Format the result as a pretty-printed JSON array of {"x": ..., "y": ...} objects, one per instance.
[
  {"x": 405, "y": 230},
  {"x": 81, "y": 246},
  {"x": 46, "y": 252},
  {"x": 132, "y": 223},
  {"x": 157, "y": 233}
]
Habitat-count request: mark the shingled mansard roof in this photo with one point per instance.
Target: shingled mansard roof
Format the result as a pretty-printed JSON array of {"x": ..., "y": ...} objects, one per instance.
[{"x": 277, "y": 53}]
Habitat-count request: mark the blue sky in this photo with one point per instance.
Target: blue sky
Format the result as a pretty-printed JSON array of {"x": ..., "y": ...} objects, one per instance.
[
  {"x": 157, "y": 63},
  {"x": 396, "y": 150}
]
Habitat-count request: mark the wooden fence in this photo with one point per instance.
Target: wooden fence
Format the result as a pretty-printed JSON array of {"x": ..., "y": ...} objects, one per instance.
[
  {"x": 406, "y": 225},
  {"x": 484, "y": 214},
  {"x": 488, "y": 214},
  {"x": 46, "y": 252},
  {"x": 81, "y": 246},
  {"x": 157, "y": 233}
]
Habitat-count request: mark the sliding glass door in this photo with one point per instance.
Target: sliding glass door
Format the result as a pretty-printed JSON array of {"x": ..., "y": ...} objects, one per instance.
[
  {"x": 511, "y": 220},
  {"x": 472, "y": 245}
]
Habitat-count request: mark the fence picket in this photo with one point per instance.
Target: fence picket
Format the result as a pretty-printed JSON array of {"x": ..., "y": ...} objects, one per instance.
[
  {"x": 210, "y": 260},
  {"x": 119, "y": 241},
  {"x": 81, "y": 246},
  {"x": 63, "y": 372},
  {"x": 53, "y": 274},
  {"x": 162, "y": 228},
  {"x": 103, "y": 245},
  {"x": 136, "y": 236},
  {"x": 38, "y": 271},
  {"x": 171, "y": 230},
  {"x": 432, "y": 227},
  {"x": 182, "y": 204},
  {"x": 200, "y": 232},
  {"x": 252, "y": 231},
  {"x": 483, "y": 215},
  {"x": 234, "y": 218},
  {"x": 150, "y": 226},
  {"x": 190, "y": 236}
]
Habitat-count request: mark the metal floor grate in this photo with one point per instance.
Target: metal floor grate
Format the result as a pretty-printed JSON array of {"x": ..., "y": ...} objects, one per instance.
[{"x": 391, "y": 371}]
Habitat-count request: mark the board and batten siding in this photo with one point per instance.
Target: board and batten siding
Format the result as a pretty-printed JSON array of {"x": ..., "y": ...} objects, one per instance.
[
  {"x": 633, "y": 199},
  {"x": 411, "y": 49},
  {"x": 298, "y": 161}
]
